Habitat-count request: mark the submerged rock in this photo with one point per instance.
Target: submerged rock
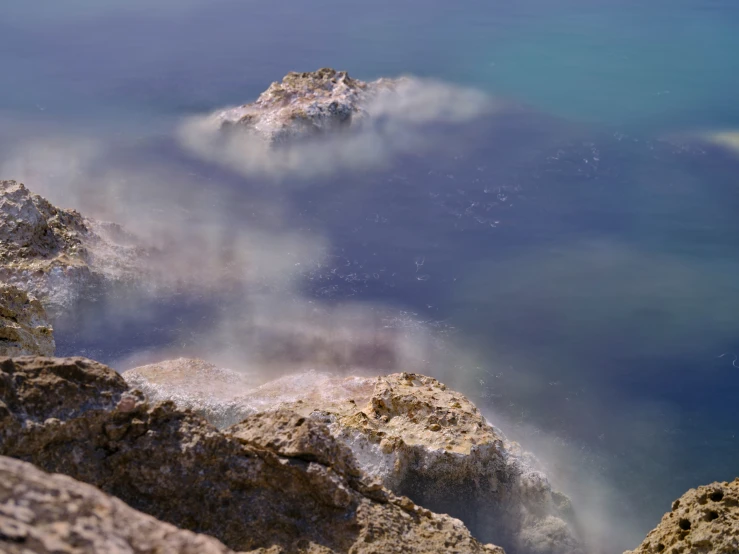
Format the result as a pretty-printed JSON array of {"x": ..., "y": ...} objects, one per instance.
[
  {"x": 57, "y": 255},
  {"x": 54, "y": 514},
  {"x": 276, "y": 481},
  {"x": 24, "y": 326},
  {"x": 703, "y": 520},
  {"x": 418, "y": 438},
  {"x": 306, "y": 103},
  {"x": 318, "y": 123}
]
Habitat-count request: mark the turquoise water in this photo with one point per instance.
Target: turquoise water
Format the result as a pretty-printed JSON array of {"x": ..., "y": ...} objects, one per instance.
[
  {"x": 664, "y": 64},
  {"x": 580, "y": 250}
]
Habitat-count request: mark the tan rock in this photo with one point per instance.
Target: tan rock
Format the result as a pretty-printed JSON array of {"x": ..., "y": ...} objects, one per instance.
[
  {"x": 305, "y": 103},
  {"x": 45, "y": 514},
  {"x": 57, "y": 255},
  {"x": 419, "y": 439},
  {"x": 702, "y": 521},
  {"x": 24, "y": 326},
  {"x": 277, "y": 481}
]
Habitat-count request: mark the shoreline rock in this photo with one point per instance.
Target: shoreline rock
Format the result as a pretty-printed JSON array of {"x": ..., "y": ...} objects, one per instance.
[
  {"x": 704, "y": 520},
  {"x": 276, "y": 480},
  {"x": 58, "y": 255},
  {"x": 410, "y": 432},
  {"x": 55, "y": 514},
  {"x": 24, "y": 326}
]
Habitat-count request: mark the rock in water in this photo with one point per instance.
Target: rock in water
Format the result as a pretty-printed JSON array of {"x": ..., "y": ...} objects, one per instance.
[
  {"x": 317, "y": 123},
  {"x": 306, "y": 103},
  {"x": 414, "y": 435},
  {"x": 54, "y": 514},
  {"x": 702, "y": 521},
  {"x": 57, "y": 255},
  {"x": 24, "y": 328},
  {"x": 277, "y": 481}
]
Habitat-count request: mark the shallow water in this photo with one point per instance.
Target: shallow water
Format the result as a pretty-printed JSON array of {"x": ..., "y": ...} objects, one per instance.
[{"x": 579, "y": 250}]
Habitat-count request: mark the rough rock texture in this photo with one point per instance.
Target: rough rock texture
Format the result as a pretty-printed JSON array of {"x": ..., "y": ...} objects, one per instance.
[
  {"x": 305, "y": 103},
  {"x": 57, "y": 255},
  {"x": 276, "y": 481},
  {"x": 703, "y": 521},
  {"x": 24, "y": 326},
  {"x": 419, "y": 439},
  {"x": 54, "y": 514},
  {"x": 35, "y": 389}
]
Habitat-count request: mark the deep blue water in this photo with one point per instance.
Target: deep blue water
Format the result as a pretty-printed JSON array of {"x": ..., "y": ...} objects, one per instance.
[{"x": 581, "y": 249}]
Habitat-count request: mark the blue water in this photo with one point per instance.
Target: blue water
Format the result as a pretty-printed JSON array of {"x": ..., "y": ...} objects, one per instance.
[{"x": 583, "y": 247}]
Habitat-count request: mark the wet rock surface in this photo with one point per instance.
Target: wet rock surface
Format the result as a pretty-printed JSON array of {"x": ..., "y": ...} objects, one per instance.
[
  {"x": 702, "y": 521},
  {"x": 419, "y": 439},
  {"x": 277, "y": 481},
  {"x": 195, "y": 385},
  {"x": 306, "y": 103},
  {"x": 47, "y": 514},
  {"x": 24, "y": 326},
  {"x": 58, "y": 255}
]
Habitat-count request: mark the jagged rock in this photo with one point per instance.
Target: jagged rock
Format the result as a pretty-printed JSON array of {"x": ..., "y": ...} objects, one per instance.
[
  {"x": 419, "y": 439},
  {"x": 317, "y": 123},
  {"x": 34, "y": 389},
  {"x": 306, "y": 103},
  {"x": 24, "y": 326},
  {"x": 54, "y": 514},
  {"x": 702, "y": 521},
  {"x": 277, "y": 481},
  {"x": 57, "y": 255}
]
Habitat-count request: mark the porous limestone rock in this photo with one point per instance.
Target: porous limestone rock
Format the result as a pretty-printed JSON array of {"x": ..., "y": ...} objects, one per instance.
[
  {"x": 57, "y": 255},
  {"x": 24, "y": 326},
  {"x": 306, "y": 103},
  {"x": 54, "y": 514},
  {"x": 702, "y": 521},
  {"x": 419, "y": 439},
  {"x": 277, "y": 481}
]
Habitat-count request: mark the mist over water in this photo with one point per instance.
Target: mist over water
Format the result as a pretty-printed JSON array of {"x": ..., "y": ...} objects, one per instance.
[{"x": 567, "y": 259}]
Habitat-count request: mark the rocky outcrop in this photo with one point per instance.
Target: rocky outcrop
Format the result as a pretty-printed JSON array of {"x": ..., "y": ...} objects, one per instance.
[
  {"x": 702, "y": 521},
  {"x": 305, "y": 103},
  {"x": 57, "y": 255},
  {"x": 35, "y": 389},
  {"x": 54, "y": 514},
  {"x": 318, "y": 123},
  {"x": 414, "y": 435},
  {"x": 24, "y": 326},
  {"x": 277, "y": 481}
]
